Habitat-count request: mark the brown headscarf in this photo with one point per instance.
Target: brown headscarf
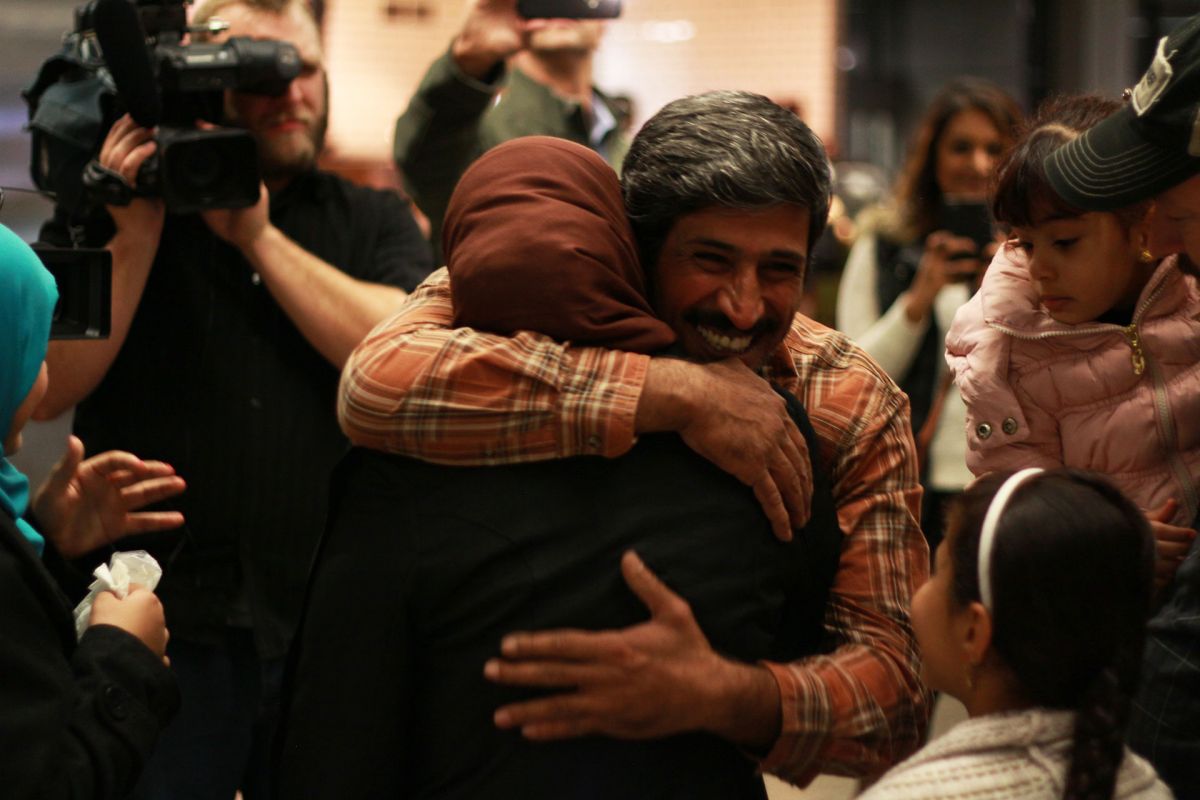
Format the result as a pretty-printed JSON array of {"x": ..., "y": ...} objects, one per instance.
[{"x": 536, "y": 239}]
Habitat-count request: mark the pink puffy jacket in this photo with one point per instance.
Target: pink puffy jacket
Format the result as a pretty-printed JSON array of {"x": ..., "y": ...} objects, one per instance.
[{"x": 1123, "y": 401}]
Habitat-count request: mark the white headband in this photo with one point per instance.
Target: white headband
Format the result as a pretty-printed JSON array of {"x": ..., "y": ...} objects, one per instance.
[{"x": 987, "y": 537}]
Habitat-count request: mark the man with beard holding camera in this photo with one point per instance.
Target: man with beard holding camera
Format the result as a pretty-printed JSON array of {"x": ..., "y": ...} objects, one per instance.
[
  {"x": 228, "y": 331},
  {"x": 541, "y": 73}
]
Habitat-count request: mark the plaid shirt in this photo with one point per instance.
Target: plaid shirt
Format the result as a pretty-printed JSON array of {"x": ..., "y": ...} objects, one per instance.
[{"x": 457, "y": 396}]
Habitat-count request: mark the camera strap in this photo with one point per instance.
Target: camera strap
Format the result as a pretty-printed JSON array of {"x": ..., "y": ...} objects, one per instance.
[{"x": 106, "y": 186}]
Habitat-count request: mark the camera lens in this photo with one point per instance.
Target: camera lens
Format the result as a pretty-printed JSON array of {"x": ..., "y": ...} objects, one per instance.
[{"x": 201, "y": 169}]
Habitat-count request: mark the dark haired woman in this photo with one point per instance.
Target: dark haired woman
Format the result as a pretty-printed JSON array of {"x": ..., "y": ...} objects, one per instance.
[
  {"x": 1034, "y": 618},
  {"x": 900, "y": 287}
]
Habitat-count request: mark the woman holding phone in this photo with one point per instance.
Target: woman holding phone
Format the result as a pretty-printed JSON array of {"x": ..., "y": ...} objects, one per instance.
[{"x": 917, "y": 263}]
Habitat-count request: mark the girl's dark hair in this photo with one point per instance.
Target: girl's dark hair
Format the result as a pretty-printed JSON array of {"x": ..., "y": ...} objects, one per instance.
[
  {"x": 1023, "y": 195},
  {"x": 917, "y": 193},
  {"x": 1072, "y": 576}
]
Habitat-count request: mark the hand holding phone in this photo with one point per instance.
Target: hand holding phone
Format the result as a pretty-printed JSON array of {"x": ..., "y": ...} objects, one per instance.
[{"x": 569, "y": 9}]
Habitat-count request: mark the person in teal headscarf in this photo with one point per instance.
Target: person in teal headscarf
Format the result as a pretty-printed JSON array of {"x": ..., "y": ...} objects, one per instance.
[{"x": 79, "y": 718}]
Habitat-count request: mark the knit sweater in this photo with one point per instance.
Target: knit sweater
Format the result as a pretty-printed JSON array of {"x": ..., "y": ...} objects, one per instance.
[{"x": 1022, "y": 754}]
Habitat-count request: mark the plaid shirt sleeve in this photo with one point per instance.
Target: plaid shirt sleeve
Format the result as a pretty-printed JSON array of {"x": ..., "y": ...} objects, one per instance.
[
  {"x": 862, "y": 707},
  {"x": 459, "y": 396}
]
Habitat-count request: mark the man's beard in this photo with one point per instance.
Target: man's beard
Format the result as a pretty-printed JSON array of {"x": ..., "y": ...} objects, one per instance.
[{"x": 288, "y": 165}]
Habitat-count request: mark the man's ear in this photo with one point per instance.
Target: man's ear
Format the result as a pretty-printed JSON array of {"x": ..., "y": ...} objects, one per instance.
[{"x": 975, "y": 634}]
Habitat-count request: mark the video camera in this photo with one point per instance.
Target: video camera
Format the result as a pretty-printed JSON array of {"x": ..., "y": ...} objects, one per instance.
[{"x": 129, "y": 56}]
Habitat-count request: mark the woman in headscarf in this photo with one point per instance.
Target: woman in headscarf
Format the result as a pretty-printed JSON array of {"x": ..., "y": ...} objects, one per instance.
[{"x": 79, "y": 717}]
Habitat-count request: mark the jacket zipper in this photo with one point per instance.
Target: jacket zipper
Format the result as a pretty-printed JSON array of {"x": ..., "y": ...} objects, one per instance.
[{"x": 1130, "y": 331}]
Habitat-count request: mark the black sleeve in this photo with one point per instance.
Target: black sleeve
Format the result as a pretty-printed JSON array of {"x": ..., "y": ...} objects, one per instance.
[
  {"x": 78, "y": 725},
  {"x": 402, "y": 256}
]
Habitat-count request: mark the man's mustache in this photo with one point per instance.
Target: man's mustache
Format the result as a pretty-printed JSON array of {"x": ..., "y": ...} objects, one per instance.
[{"x": 718, "y": 321}]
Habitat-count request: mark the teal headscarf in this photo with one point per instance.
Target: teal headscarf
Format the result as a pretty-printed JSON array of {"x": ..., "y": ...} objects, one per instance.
[{"x": 27, "y": 298}]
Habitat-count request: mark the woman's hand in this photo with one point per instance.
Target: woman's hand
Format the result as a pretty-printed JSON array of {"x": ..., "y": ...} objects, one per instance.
[
  {"x": 83, "y": 505},
  {"x": 942, "y": 262},
  {"x": 140, "y": 613}
]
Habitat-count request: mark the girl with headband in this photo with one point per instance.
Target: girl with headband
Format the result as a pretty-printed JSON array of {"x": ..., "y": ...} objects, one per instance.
[
  {"x": 76, "y": 718},
  {"x": 1034, "y": 618}
]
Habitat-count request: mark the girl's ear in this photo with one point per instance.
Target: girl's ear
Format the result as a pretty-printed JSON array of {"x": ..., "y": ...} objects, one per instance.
[{"x": 975, "y": 634}]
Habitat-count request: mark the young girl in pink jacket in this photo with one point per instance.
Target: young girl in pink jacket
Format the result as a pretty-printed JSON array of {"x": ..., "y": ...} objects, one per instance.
[{"x": 1082, "y": 347}]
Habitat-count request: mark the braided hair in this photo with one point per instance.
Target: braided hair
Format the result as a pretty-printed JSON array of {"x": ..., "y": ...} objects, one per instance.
[{"x": 1072, "y": 575}]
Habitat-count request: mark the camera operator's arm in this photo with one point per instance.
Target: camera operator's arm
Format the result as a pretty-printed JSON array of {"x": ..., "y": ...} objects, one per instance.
[
  {"x": 333, "y": 310},
  {"x": 79, "y": 366},
  {"x": 438, "y": 135}
]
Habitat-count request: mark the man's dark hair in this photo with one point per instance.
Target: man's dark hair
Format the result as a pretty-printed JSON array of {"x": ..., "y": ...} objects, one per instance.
[{"x": 721, "y": 150}]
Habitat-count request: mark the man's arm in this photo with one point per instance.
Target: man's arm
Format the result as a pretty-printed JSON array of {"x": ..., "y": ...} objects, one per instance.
[
  {"x": 855, "y": 711},
  {"x": 861, "y": 708},
  {"x": 77, "y": 367},
  {"x": 458, "y": 396},
  {"x": 438, "y": 135},
  {"x": 333, "y": 310}
]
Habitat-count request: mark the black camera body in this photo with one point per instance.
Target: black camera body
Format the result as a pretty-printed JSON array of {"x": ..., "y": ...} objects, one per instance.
[{"x": 129, "y": 56}]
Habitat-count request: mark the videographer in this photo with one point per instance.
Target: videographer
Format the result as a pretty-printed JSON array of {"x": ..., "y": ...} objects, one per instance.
[
  {"x": 228, "y": 331},
  {"x": 542, "y": 71},
  {"x": 907, "y": 274}
]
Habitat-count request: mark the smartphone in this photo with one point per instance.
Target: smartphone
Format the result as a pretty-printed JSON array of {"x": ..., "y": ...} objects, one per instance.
[
  {"x": 84, "y": 278},
  {"x": 971, "y": 220},
  {"x": 569, "y": 9}
]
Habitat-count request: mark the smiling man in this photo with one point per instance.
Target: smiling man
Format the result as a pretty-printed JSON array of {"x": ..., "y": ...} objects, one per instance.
[
  {"x": 726, "y": 193},
  {"x": 233, "y": 325}
]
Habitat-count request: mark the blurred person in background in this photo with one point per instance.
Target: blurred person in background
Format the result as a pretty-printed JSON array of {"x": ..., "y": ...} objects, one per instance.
[
  {"x": 1150, "y": 151},
  {"x": 504, "y": 76},
  {"x": 905, "y": 276}
]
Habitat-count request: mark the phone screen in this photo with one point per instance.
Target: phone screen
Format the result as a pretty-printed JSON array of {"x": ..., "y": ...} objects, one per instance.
[{"x": 972, "y": 220}]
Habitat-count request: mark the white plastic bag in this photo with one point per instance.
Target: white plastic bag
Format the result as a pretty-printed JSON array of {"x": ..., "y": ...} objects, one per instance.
[{"x": 123, "y": 569}]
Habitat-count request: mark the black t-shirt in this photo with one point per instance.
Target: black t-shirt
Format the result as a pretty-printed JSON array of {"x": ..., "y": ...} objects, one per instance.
[{"x": 215, "y": 379}]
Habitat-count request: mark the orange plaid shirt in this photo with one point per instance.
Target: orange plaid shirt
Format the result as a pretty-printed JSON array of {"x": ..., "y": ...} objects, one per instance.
[{"x": 459, "y": 396}]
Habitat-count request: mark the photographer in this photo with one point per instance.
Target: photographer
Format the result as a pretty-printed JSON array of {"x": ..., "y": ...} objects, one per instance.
[
  {"x": 231, "y": 326},
  {"x": 903, "y": 282},
  {"x": 542, "y": 71}
]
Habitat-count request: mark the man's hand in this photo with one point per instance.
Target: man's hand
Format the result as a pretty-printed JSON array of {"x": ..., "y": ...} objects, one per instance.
[
  {"x": 734, "y": 418},
  {"x": 652, "y": 680},
  {"x": 492, "y": 32},
  {"x": 241, "y": 227},
  {"x": 125, "y": 149},
  {"x": 1172, "y": 542},
  {"x": 83, "y": 505}
]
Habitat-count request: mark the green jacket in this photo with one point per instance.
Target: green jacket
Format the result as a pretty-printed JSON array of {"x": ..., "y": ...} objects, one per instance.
[{"x": 452, "y": 120}]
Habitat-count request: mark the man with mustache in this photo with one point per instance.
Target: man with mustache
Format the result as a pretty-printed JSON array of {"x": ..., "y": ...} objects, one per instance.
[
  {"x": 231, "y": 325},
  {"x": 725, "y": 254}
]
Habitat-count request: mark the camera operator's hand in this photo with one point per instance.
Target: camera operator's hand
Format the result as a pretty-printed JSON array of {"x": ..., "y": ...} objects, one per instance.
[
  {"x": 241, "y": 227},
  {"x": 125, "y": 149},
  {"x": 492, "y": 32},
  {"x": 938, "y": 267}
]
